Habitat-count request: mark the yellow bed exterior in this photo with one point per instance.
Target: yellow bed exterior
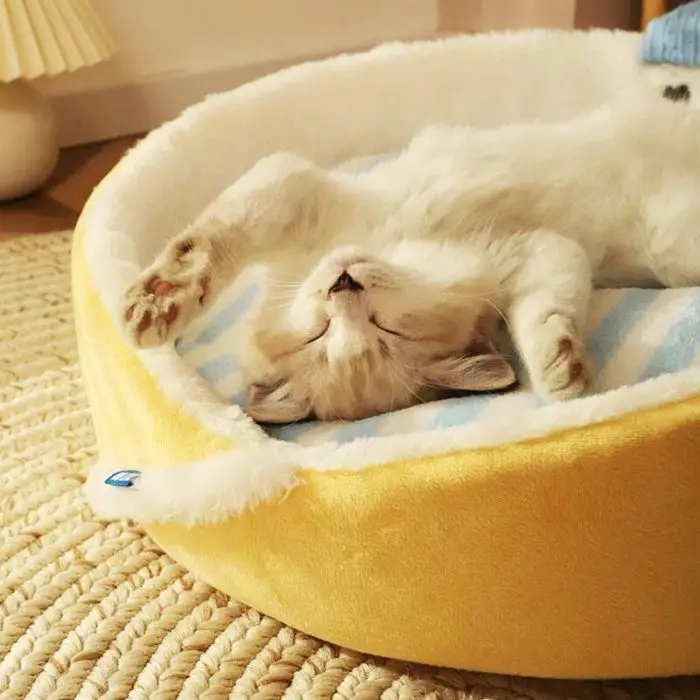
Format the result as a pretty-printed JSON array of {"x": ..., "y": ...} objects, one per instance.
[
  {"x": 570, "y": 556},
  {"x": 573, "y": 555}
]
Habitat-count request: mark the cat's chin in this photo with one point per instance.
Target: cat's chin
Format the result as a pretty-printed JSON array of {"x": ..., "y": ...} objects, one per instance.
[{"x": 348, "y": 307}]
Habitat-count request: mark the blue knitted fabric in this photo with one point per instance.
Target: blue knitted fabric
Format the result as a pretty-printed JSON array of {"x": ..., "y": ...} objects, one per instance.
[{"x": 674, "y": 37}]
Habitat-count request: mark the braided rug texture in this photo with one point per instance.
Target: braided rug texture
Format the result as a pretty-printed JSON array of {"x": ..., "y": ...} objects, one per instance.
[{"x": 93, "y": 609}]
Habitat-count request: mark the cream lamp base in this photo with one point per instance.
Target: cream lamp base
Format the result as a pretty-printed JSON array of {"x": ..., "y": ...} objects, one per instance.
[{"x": 28, "y": 145}]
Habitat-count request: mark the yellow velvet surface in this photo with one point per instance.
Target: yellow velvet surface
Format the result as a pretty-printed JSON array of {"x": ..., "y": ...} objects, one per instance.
[{"x": 575, "y": 555}]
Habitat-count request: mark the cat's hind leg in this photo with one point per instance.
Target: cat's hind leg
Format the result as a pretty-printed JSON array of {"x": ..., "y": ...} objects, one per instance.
[{"x": 549, "y": 296}]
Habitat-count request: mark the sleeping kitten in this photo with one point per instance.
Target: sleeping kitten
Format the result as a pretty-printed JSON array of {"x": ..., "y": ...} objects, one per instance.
[{"x": 386, "y": 286}]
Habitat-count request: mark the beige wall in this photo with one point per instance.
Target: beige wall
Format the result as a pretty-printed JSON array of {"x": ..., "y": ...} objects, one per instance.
[
  {"x": 160, "y": 37},
  {"x": 174, "y": 52}
]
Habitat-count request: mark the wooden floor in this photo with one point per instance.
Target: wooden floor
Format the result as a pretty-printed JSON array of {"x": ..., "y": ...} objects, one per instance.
[{"x": 59, "y": 203}]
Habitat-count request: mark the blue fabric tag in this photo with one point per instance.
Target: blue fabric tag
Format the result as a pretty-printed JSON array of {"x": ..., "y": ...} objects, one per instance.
[{"x": 123, "y": 479}]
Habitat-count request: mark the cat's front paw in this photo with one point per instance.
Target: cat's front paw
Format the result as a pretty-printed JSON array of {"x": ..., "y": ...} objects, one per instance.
[
  {"x": 563, "y": 369},
  {"x": 162, "y": 301}
]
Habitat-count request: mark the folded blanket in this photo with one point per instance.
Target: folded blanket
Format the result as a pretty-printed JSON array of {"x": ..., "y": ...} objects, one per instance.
[{"x": 674, "y": 37}]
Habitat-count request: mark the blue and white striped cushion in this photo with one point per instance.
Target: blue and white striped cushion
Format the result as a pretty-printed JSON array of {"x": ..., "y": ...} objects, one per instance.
[{"x": 633, "y": 335}]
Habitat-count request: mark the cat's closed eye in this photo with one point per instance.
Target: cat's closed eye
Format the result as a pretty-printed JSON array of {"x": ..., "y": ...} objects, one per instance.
[
  {"x": 320, "y": 334},
  {"x": 383, "y": 327}
]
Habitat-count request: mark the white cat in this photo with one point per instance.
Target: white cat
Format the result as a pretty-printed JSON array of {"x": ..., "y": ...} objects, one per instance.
[{"x": 386, "y": 286}]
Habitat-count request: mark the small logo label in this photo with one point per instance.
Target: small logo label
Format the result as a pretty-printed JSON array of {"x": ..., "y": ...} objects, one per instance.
[{"x": 123, "y": 479}]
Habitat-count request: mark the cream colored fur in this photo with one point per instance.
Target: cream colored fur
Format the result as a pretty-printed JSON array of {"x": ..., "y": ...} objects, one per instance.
[
  {"x": 326, "y": 113},
  {"x": 463, "y": 225}
]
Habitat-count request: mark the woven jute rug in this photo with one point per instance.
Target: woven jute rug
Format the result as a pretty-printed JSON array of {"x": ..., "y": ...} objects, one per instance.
[{"x": 93, "y": 609}]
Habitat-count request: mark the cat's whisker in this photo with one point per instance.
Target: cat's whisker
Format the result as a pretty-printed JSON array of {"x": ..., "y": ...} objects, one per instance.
[
  {"x": 278, "y": 301},
  {"x": 393, "y": 367},
  {"x": 404, "y": 365},
  {"x": 393, "y": 390},
  {"x": 461, "y": 297},
  {"x": 285, "y": 285},
  {"x": 394, "y": 374},
  {"x": 288, "y": 293},
  {"x": 330, "y": 397},
  {"x": 277, "y": 306},
  {"x": 315, "y": 387},
  {"x": 281, "y": 295},
  {"x": 495, "y": 307}
]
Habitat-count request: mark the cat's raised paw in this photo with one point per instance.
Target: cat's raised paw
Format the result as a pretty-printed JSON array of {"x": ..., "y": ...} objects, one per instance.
[{"x": 156, "y": 308}]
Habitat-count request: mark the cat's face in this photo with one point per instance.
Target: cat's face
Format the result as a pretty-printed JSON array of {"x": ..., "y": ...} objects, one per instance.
[{"x": 364, "y": 335}]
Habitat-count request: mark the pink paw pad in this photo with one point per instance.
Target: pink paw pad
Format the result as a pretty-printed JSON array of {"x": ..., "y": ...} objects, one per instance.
[
  {"x": 171, "y": 314},
  {"x": 565, "y": 346},
  {"x": 160, "y": 287},
  {"x": 145, "y": 322}
]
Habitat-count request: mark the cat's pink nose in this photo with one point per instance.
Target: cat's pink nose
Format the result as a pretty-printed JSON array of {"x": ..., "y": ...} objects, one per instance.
[{"x": 346, "y": 283}]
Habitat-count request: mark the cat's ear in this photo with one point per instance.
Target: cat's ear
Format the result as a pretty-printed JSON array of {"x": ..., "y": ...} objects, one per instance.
[
  {"x": 480, "y": 368},
  {"x": 276, "y": 402}
]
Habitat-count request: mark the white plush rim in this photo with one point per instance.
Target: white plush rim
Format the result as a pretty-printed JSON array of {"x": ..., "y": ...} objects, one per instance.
[{"x": 330, "y": 111}]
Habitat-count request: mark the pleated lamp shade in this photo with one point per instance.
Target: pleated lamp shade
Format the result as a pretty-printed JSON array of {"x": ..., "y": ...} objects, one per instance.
[{"x": 47, "y": 37}]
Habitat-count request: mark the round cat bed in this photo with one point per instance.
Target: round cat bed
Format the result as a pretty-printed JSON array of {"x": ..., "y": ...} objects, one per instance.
[{"x": 548, "y": 540}]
